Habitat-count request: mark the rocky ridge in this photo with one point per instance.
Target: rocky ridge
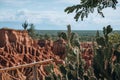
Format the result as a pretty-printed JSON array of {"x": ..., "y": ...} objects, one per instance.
[{"x": 17, "y": 48}]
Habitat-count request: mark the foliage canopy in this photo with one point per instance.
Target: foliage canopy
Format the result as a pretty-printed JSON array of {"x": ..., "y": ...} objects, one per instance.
[{"x": 88, "y": 6}]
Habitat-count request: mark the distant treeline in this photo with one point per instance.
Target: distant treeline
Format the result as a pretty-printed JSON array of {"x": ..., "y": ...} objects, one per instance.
[{"x": 84, "y": 35}]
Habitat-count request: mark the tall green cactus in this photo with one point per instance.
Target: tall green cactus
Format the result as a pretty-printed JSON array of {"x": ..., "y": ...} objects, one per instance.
[
  {"x": 69, "y": 34},
  {"x": 71, "y": 38},
  {"x": 103, "y": 55},
  {"x": 74, "y": 68},
  {"x": 106, "y": 32}
]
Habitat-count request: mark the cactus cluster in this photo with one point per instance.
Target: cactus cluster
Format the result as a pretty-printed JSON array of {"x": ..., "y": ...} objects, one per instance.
[
  {"x": 103, "y": 41},
  {"x": 103, "y": 65},
  {"x": 74, "y": 68}
]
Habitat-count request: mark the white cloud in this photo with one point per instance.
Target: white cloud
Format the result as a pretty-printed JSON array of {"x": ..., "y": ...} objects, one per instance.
[
  {"x": 62, "y": 19},
  {"x": 12, "y": 4},
  {"x": 15, "y": 2},
  {"x": 68, "y": 1},
  {"x": 111, "y": 17},
  {"x": 56, "y": 16},
  {"x": 37, "y": 17},
  {"x": 7, "y": 16}
]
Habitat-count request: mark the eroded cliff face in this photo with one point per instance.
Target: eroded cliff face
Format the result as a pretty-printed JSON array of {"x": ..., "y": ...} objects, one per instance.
[
  {"x": 14, "y": 36},
  {"x": 17, "y": 48},
  {"x": 59, "y": 48}
]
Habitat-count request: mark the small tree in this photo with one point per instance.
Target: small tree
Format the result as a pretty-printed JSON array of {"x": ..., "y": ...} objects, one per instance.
[
  {"x": 25, "y": 25},
  {"x": 31, "y": 31}
]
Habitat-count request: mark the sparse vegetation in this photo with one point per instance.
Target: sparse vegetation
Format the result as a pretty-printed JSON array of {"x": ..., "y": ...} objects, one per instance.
[
  {"x": 25, "y": 25},
  {"x": 31, "y": 31}
]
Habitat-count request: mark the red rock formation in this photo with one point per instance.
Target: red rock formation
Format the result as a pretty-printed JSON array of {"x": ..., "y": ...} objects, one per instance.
[
  {"x": 87, "y": 54},
  {"x": 59, "y": 48},
  {"x": 17, "y": 48}
]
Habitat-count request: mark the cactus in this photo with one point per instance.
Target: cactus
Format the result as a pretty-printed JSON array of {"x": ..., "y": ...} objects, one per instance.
[
  {"x": 103, "y": 55},
  {"x": 74, "y": 67},
  {"x": 69, "y": 34},
  {"x": 62, "y": 35},
  {"x": 72, "y": 41},
  {"x": 51, "y": 75},
  {"x": 100, "y": 41},
  {"x": 102, "y": 60}
]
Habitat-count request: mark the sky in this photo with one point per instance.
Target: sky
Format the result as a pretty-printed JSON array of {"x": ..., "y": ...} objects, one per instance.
[{"x": 50, "y": 15}]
